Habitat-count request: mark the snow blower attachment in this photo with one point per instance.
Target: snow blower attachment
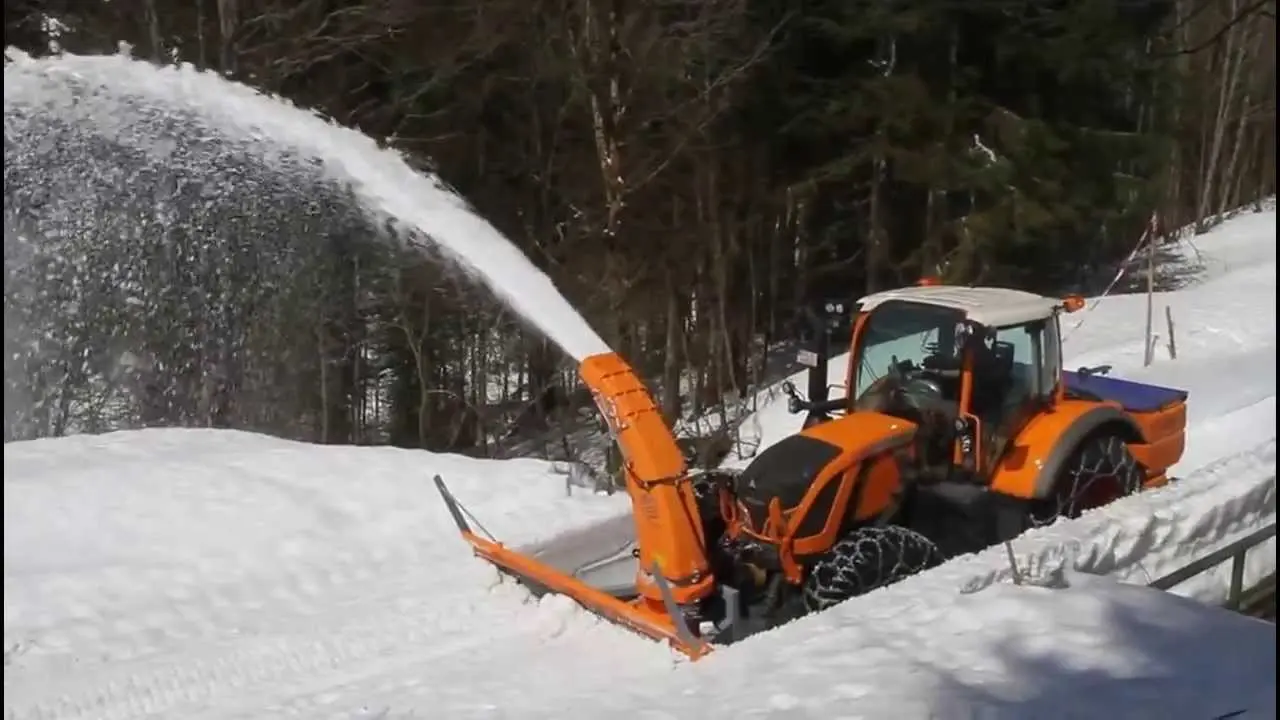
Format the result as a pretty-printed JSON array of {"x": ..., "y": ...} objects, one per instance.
[
  {"x": 672, "y": 577},
  {"x": 959, "y": 430}
]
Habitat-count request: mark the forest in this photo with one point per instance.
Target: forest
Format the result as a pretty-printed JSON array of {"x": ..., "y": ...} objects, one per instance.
[{"x": 692, "y": 174}]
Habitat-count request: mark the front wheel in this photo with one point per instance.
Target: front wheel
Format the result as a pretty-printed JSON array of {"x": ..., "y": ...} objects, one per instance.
[{"x": 866, "y": 559}]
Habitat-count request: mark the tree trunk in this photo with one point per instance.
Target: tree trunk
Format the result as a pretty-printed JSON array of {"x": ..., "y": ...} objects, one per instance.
[
  {"x": 153, "y": 32},
  {"x": 1233, "y": 61},
  {"x": 671, "y": 364},
  {"x": 227, "y": 23}
]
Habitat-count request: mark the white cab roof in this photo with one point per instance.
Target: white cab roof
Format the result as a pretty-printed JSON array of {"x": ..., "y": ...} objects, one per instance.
[{"x": 991, "y": 306}]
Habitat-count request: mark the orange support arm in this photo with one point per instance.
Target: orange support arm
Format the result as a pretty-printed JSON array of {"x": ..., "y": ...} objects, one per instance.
[{"x": 668, "y": 530}]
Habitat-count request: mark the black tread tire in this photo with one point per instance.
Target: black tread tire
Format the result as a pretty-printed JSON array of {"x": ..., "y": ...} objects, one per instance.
[
  {"x": 864, "y": 560},
  {"x": 1101, "y": 459}
]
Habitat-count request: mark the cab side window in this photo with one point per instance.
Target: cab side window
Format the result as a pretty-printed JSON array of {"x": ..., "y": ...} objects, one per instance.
[
  {"x": 1015, "y": 347},
  {"x": 1051, "y": 357},
  {"x": 1012, "y": 373}
]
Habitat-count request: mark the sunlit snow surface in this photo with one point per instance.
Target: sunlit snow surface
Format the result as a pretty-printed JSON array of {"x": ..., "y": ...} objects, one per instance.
[{"x": 204, "y": 574}]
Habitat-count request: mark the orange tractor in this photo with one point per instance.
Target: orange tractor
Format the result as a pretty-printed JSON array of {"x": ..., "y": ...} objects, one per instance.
[{"x": 959, "y": 429}]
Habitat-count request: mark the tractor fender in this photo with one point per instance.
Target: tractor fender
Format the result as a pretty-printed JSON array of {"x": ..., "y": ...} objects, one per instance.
[{"x": 1034, "y": 459}]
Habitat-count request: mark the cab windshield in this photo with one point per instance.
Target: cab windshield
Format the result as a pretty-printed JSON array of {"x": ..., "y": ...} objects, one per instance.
[{"x": 900, "y": 332}]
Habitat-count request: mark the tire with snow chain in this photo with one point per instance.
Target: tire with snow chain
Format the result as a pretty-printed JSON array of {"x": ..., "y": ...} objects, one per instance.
[
  {"x": 866, "y": 559},
  {"x": 1100, "y": 471}
]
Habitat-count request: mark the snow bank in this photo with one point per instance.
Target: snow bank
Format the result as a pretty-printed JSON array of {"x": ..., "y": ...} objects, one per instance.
[{"x": 1087, "y": 648}]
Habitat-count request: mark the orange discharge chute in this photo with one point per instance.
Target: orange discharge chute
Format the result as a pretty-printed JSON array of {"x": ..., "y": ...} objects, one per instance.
[{"x": 672, "y": 573}]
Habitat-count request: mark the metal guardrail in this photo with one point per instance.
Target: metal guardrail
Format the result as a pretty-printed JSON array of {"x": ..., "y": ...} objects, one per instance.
[{"x": 1235, "y": 553}]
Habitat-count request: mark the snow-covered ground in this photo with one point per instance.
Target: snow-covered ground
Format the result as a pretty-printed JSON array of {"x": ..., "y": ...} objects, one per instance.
[
  {"x": 194, "y": 573},
  {"x": 206, "y": 574},
  {"x": 1091, "y": 648}
]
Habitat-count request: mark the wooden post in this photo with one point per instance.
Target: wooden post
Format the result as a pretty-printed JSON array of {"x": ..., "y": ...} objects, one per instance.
[
  {"x": 1173, "y": 346},
  {"x": 1013, "y": 563},
  {"x": 1149, "y": 352}
]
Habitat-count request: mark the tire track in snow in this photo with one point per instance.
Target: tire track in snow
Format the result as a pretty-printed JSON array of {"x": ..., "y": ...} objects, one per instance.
[
  {"x": 220, "y": 646},
  {"x": 313, "y": 642}
]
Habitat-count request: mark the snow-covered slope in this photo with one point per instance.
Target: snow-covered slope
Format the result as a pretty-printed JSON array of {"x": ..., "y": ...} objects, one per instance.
[{"x": 205, "y": 574}]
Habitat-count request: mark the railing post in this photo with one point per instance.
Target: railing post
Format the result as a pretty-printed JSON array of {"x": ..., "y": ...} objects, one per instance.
[{"x": 1237, "y": 579}]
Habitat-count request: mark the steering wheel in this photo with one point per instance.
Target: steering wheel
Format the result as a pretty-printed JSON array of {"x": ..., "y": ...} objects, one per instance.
[
  {"x": 870, "y": 399},
  {"x": 923, "y": 394},
  {"x": 904, "y": 389},
  {"x": 884, "y": 395}
]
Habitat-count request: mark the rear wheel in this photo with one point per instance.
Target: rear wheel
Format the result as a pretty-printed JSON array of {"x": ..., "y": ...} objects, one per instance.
[
  {"x": 1099, "y": 472},
  {"x": 866, "y": 559}
]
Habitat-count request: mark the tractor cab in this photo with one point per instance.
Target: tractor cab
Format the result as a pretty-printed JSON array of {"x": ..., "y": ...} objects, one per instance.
[{"x": 970, "y": 366}]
